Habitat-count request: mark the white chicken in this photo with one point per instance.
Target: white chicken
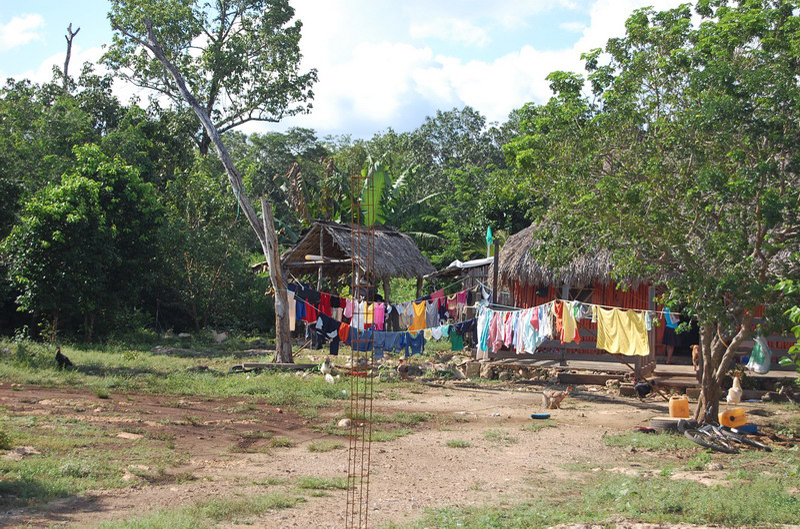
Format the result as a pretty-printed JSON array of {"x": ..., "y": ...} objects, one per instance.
[
  {"x": 326, "y": 367},
  {"x": 329, "y": 379},
  {"x": 218, "y": 337},
  {"x": 735, "y": 393}
]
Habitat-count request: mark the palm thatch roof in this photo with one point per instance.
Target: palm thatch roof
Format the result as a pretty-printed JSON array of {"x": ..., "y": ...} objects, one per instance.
[
  {"x": 393, "y": 253},
  {"x": 518, "y": 263}
]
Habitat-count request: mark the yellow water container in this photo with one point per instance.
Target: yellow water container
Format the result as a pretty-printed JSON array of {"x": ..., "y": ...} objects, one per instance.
[
  {"x": 679, "y": 406},
  {"x": 733, "y": 418}
]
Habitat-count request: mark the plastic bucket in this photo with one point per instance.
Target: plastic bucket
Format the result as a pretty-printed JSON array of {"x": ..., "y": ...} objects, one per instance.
[{"x": 679, "y": 406}]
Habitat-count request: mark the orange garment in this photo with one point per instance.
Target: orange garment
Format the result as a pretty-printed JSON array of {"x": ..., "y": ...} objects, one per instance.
[
  {"x": 566, "y": 326},
  {"x": 344, "y": 332},
  {"x": 419, "y": 316}
]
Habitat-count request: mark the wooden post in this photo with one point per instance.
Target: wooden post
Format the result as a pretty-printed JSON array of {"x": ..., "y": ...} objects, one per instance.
[
  {"x": 562, "y": 360},
  {"x": 496, "y": 275},
  {"x": 322, "y": 261},
  {"x": 651, "y": 334},
  {"x": 386, "y": 289},
  {"x": 419, "y": 287}
]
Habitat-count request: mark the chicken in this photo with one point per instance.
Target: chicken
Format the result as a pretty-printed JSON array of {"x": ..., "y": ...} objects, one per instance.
[
  {"x": 402, "y": 369},
  {"x": 553, "y": 399},
  {"x": 326, "y": 366},
  {"x": 62, "y": 360},
  {"x": 218, "y": 337},
  {"x": 329, "y": 378},
  {"x": 643, "y": 388},
  {"x": 735, "y": 393}
]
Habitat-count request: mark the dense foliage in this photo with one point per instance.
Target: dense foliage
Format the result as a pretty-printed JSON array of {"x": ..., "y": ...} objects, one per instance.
[{"x": 676, "y": 152}]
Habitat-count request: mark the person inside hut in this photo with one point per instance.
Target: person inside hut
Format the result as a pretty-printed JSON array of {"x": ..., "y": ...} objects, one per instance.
[{"x": 670, "y": 338}]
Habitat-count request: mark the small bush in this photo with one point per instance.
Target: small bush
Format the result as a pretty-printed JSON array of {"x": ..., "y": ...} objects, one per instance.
[
  {"x": 324, "y": 446},
  {"x": 458, "y": 443},
  {"x": 5, "y": 440},
  {"x": 281, "y": 442}
]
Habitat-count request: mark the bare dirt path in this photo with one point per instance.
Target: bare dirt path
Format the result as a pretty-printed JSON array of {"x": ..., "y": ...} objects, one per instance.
[{"x": 408, "y": 475}]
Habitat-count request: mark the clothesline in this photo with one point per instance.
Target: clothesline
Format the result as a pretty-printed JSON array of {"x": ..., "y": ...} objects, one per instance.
[{"x": 514, "y": 308}]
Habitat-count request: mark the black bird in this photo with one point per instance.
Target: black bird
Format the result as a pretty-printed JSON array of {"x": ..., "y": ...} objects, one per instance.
[
  {"x": 62, "y": 360},
  {"x": 643, "y": 388}
]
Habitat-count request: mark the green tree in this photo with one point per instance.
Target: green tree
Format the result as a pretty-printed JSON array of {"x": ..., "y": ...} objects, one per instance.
[
  {"x": 683, "y": 164},
  {"x": 252, "y": 58},
  {"x": 240, "y": 58},
  {"x": 85, "y": 245}
]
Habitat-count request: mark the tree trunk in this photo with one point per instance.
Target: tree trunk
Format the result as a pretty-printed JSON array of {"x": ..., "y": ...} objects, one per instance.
[
  {"x": 265, "y": 231},
  {"x": 717, "y": 359},
  {"x": 283, "y": 345},
  {"x": 69, "y": 36}
]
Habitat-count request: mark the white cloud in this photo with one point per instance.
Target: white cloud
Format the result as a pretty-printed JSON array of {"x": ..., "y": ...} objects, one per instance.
[
  {"x": 574, "y": 27},
  {"x": 20, "y": 31},
  {"x": 451, "y": 29}
]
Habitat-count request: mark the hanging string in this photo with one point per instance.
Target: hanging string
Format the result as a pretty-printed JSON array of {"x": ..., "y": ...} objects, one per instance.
[{"x": 238, "y": 193}]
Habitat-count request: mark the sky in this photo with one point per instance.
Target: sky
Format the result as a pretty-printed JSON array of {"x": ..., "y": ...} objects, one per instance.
[{"x": 381, "y": 63}]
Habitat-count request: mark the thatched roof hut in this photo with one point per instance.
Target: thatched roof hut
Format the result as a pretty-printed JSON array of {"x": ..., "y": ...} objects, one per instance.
[
  {"x": 333, "y": 247},
  {"x": 518, "y": 263}
]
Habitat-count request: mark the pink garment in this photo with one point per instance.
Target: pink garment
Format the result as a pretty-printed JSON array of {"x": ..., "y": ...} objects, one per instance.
[
  {"x": 451, "y": 304},
  {"x": 379, "y": 315},
  {"x": 508, "y": 329},
  {"x": 348, "y": 308},
  {"x": 535, "y": 320},
  {"x": 438, "y": 297},
  {"x": 461, "y": 297},
  {"x": 496, "y": 331}
]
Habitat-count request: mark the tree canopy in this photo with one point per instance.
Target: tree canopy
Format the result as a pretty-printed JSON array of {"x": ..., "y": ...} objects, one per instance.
[{"x": 683, "y": 162}]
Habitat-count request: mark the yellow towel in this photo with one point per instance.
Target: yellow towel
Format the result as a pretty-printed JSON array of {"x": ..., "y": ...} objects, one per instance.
[{"x": 622, "y": 332}]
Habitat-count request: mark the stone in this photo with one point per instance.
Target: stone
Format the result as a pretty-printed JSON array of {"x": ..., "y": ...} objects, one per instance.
[
  {"x": 20, "y": 453},
  {"x": 714, "y": 466},
  {"x": 487, "y": 371},
  {"x": 130, "y": 436},
  {"x": 344, "y": 423},
  {"x": 472, "y": 369},
  {"x": 184, "y": 336},
  {"x": 505, "y": 376}
]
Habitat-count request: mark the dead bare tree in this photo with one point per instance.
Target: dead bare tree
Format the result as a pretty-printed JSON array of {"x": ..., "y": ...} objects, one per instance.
[
  {"x": 265, "y": 231},
  {"x": 69, "y": 36}
]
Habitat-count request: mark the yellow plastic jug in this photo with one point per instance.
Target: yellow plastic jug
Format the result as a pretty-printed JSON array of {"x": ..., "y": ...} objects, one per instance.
[
  {"x": 679, "y": 406},
  {"x": 733, "y": 418}
]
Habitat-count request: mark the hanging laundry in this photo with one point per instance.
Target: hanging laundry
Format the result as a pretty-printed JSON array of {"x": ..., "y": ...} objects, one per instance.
[
  {"x": 451, "y": 304},
  {"x": 546, "y": 321},
  {"x": 428, "y": 334},
  {"x": 622, "y": 332},
  {"x": 436, "y": 333},
  {"x": 484, "y": 321},
  {"x": 325, "y": 303},
  {"x": 508, "y": 329},
  {"x": 379, "y": 314},
  {"x": 416, "y": 341},
  {"x": 431, "y": 314},
  {"x": 456, "y": 341},
  {"x": 445, "y": 330},
  {"x": 496, "y": 331},
  {"x": 565, "y": 322},
  {"x": 419, "y": 315},
  {"x": 348, "y": 308},
  {"x": 292, "y": 310},
  {"x": 369, "y": 315},
  {"x": 344, "y": 332}
]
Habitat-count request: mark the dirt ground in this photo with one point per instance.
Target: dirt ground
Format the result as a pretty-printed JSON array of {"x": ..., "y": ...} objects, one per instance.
[{"x": 408, "y": 475}]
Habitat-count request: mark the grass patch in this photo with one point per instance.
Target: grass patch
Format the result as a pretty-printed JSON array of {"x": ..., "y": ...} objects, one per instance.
[
  {"x": 458, "y": 443},
  {"x": 282, "y": 442},
  {"x": 315, "y": 483},
  {"x": 75, "y": 457},
  {"x": 269, "y": 482},
  {"x": 102, "y": 393},
  {"x": 664, "y": 441},
  {"x": 383, "y": 436},
  {"x": 208, "y": 513},
  {"x": 324, "y": 446},
  {"x": 538, "y": 425},
  {"x": 653, "y": 500},
  {"x": 499, "y": 437}
]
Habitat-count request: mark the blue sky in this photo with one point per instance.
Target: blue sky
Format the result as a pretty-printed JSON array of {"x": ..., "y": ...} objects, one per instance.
[{"x": 381, "y": 63}]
